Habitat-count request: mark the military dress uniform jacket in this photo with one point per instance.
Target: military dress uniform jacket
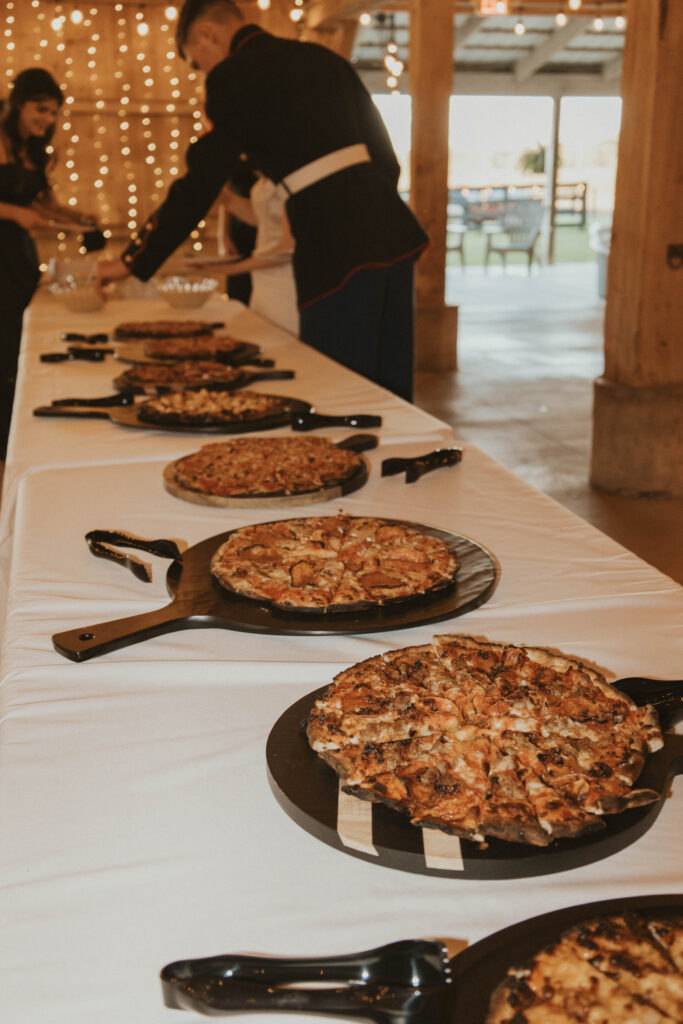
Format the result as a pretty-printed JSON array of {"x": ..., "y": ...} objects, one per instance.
[{"x": 285, "y": 104}]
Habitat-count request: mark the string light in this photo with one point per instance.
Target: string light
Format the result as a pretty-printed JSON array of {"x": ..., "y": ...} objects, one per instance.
[
  {"x": 107, "y": 145},
  {"x": 598, "y": 24},
  {"x": 574, "y": 5},
  {"x": 365, "y": 18},
  {"x": 502, "y": 7},
  {"x": 561, "y": 19},
  {"x": 620, "y": 22},
  {"x": 296, "y": 14},
  {"x": 263, "y": 5},
  {"x": 520, "y": 28}
]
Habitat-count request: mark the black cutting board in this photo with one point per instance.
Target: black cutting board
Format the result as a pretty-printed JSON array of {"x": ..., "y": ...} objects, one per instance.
[
  {"x": 307, "y": 789},
  {"x": 200, "y": 602}
]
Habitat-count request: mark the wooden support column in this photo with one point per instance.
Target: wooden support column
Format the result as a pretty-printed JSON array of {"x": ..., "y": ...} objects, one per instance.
[
  {"x": 552, "y": 155},
  {"x": 638, "y": 410},
  {"x": 431, "y": 82}
]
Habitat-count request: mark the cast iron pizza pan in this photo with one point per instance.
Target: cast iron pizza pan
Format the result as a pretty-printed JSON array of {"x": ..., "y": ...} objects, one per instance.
[
  {"x": 307, "y": 789},
  {"x": 408, "y": 982},
  {"x": 127, "y": 416},
  {"x": 355, "y": 443},
  {"x": 244, "y": 377},
  {"x": 200, "y": 602},
  {"x": 134, "y": 352}
]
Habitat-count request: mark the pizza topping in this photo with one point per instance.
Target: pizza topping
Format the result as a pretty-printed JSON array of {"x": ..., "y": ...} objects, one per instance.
[
  {"x": 162, "y": 328},
  {"x": 486, "y": 739},
  {"x": 210, "y": 407},
  {"x": 327, "y": 567},
  {"x": 192, "y": 348},
  {"x": 185, "y": 371},
  {"x": 609, "y": 970}
]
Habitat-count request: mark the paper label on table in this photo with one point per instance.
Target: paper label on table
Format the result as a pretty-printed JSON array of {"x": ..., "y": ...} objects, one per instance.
[
  {"x": 354, "y": 822},
  {"x": 442, "y": 852}
]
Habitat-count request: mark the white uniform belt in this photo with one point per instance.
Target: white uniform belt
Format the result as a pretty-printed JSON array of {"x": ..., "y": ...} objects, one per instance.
[{"x": 323, "y": 167}]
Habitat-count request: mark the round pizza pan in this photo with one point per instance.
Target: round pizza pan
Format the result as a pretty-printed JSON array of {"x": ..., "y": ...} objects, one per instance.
[
  {"x": 273, "y": 500},
  {"x": 308, "y": 790}
]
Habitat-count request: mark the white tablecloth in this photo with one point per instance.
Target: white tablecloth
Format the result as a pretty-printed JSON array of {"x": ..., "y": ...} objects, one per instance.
[{"x": 136, "y": 821}]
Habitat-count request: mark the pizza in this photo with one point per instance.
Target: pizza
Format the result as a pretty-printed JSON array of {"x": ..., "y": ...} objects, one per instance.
[
  {"x": 186, "y": 372},
  {"x": 223, "y": 348},
  {"x": 618, "y": 969},
  {"x": 485, "y": 739},
  {"x": 266, "y": 466},
  {"x": 333, "y": 563},
  {"x": 211, "y": 408},
  {"x": 162, "y": 328}
]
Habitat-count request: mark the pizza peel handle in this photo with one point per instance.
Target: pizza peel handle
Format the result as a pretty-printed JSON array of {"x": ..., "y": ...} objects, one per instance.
[{"x": 91, "y": 641}]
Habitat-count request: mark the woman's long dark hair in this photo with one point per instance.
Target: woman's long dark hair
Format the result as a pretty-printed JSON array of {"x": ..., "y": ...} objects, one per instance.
[{"x": 33, "y": 84}]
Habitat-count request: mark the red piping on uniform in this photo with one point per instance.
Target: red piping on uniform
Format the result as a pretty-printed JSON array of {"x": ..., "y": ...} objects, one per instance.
[{"x": 365, "y": 266}]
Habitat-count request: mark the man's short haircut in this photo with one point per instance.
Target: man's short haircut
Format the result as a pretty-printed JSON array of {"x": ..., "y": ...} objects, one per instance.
[{"x": 215, "y": 10}]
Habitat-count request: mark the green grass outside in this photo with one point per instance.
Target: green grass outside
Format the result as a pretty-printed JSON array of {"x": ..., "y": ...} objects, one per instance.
[{"x": 571, "y": 246}]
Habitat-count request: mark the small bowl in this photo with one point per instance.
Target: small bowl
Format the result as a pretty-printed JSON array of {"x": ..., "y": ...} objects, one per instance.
[
  {"x": 187, "y": 292},
  {"x": 77, "y": 294}
]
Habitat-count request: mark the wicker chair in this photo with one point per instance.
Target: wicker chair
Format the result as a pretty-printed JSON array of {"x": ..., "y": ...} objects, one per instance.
[{"x": 521, "y": 225}]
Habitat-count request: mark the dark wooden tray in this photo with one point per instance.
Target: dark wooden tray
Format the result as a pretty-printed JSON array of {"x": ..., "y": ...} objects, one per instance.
[{"x": 199, "y": 602}]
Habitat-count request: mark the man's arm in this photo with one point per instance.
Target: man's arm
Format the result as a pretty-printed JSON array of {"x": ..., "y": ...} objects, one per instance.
[{"x": 209, "y": 162}]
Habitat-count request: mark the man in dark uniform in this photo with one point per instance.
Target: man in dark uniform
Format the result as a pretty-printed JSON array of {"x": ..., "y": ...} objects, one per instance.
[{"x": 304, "y": 119}]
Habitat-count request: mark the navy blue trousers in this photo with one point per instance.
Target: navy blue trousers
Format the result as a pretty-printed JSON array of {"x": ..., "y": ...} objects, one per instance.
[{"x": 368, "y": 326}]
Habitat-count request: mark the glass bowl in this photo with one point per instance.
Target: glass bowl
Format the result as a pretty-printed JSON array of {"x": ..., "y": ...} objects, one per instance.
[
  {"x": 187, "y": 292},
  {"x": 77, "y": 294}
]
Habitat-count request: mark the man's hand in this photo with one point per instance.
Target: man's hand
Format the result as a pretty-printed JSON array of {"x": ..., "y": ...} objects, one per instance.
[{"x": 108, "y": 271}]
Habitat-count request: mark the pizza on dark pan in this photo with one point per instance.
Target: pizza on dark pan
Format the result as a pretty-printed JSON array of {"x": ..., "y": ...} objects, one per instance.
[
  {"x": 162, "y": 328},
  {"x": 208, "y": 347},
  {"x": 186, "y": 372},
  {"x": 484, "y": 739},
  {"x": 618, "y": 969},
  {"x": 261, "y": 466},
  {"x": 206, "y": 408},
  {"x": 333, "y": 563}
]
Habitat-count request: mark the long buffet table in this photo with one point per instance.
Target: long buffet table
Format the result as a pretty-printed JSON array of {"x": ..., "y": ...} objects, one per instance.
[{"x": 137, "y": 823}]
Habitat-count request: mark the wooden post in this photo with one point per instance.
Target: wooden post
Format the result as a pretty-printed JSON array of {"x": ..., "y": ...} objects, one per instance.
[
  {"x": 552, "y": 154},
  {"x": 431, "y": 81},
  {"x": 638, "y": 411}
]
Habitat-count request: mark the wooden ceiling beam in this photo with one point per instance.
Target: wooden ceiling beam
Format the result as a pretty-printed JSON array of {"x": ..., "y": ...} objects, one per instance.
[
  {"x": 467, "y": 30},
  {"x": 561, "y": 37}
]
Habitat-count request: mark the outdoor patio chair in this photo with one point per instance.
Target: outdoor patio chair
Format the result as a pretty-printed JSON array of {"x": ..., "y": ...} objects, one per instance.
[{"x": 521, "y": 224}]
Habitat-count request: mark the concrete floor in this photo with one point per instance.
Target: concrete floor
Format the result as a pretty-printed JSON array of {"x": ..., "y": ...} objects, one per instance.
[{"x": 529, "y": 349}]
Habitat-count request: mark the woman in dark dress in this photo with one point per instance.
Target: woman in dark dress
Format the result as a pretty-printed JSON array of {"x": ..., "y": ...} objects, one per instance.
[{"x": 26, "y": 203}]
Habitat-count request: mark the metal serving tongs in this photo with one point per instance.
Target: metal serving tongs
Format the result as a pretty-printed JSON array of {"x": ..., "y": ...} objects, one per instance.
[{"x": 401, "y": 983}]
